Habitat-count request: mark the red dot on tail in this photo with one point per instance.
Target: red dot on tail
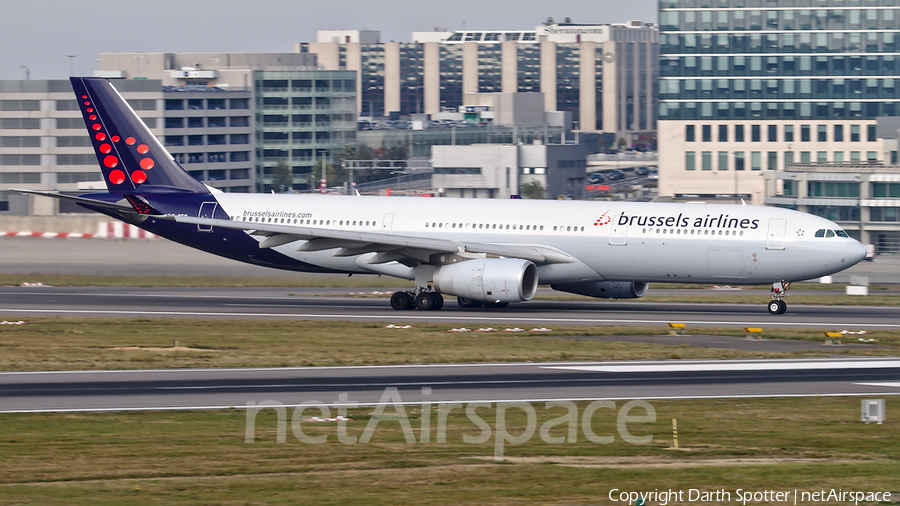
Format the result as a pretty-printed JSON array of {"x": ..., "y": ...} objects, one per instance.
[
  {"x": 90, "y": 109},
  {"x": 138, "y": 176},
  {"x": 92, "y": 117},
  {"x": 105, "y": 148},
  {"x": 129, "y": 141},
  {"x": 84, "y": 96},
  {"x": 117, "y": 177},
  {"x": 110, "y": 161},
  {"x": 147, "y": 164},
  {"x": 115, "y": 138},
  {"x": 100, "y": 136},
  {"x": 142, "y": 149},
  {"x": 96, "y": 126},
  {"x": 87, "y": 103}
]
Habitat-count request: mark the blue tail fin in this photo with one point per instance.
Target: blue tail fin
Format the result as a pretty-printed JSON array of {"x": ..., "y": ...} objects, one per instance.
[{"x": 130, "y": 156}]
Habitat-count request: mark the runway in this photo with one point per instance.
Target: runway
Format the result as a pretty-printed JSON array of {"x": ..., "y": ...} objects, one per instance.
[
  {"x": 289, "y": 303},
  {"x": 415, "y": 384}
]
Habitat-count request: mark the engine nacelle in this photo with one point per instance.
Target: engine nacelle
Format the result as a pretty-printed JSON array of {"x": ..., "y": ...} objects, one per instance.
[
  {"x": 488, "y": 279},
  {"x": 605, "y": 289}
]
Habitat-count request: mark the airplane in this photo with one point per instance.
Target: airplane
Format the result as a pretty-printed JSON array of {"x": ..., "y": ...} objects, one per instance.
[{"x": 485, "y": 252}]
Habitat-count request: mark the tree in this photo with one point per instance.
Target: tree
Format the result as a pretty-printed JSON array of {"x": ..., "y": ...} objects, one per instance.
[
  {"x": 532, "y": 190},
  {"x": 622, "y": 142},
  {"x": 282, "y": 179}
]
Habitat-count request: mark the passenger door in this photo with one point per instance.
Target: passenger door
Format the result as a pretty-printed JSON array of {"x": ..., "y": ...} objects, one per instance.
[
  {"x": 775, "y": 239},
  {"x": 207, "y": 210}
]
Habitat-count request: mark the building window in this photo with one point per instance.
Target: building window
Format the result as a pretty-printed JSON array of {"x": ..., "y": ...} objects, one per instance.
[
  {"x": 772, "y": 161},
  {"x": 838, "y": 133},
  {"x": 240, "y": 156},
  {"x": 822, "y": 133},
  {"x": 688, "y": 161},
  {"x": 870, "y": 133},
  {"x": 723, "y": 160},
  {"x": 707, "y": 133},
  {"x": 174, "y": 140},
  {"x": 871, "y": 156},
  {"x": 174, "y": 122},
  {"x": 755, "y": 133},
  {"x": 215, "y": 103},
  {"x": 738, "y": 160},
  {"x": 755, "y": 160},
  {"x": 723, "y": 133},
  {"x": 854, "y": 156},
  {"x": 240, "y": 139},
  {"x": 788, "y": 133},
  {"x": 35, "y": 141},
  {"x": 821, "y": 156},
  {"x": 689, "y": 133},
  {"x": 457, "y": 170},
  {"x": 836, "y": 213},
  {"x": 804, "y": 157},
  {"x": 195, "y": 140},
  {"x": 773, "y": 133},
  {"x": 884, "y": 213},
  {"x": 738, "y": 133},
  {"x": 788, "y": 158},
  {"x": 838, "y": 156},
  {"x": 804, "y": 133},
  {"x": 707, "y": 160},
  {"x": 238, "y": 103},
  {"x": 216, "y": 122},
  {"x": 20, "y": 160},
  {"x": 790, "y": 188},
  {"x": 175, "y": 104},
  {"x": 854, "y": 133},
  {"x": 833, "y": 189},
  {"x": 240, "y": 121},
  {"x": 885, "y": 190}
]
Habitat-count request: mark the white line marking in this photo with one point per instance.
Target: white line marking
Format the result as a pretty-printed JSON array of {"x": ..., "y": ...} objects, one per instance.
[
  {"x": 444, "y": 318},
  {"x": 435, "y": 401},
  {"x": 894, "y": 384},
  {"x": 759, "y": 366},
  {"x": 417, "y": 366}
]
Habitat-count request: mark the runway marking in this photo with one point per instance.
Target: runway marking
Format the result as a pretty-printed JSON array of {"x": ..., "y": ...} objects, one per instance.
[
  {"x": 444, "y": 318},
  {"x": 758, "y": 366},
  {"x": 427, "y": 366},
  {"x": 436, "y": 401},
  {"x": 894, "y": 384}
]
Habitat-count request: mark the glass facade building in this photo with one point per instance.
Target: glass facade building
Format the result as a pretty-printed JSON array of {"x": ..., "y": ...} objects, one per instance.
[
  {"x": 770, "y": 82},
  {"x": 302, "y": 116}
]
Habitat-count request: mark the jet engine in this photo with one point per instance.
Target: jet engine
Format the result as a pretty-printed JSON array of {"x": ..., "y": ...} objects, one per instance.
[
  {"x": 605, "y": 289},
  {"x": 488, "y": 279}
]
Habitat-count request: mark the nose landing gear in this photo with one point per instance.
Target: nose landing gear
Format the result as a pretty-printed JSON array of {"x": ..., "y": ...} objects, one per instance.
[{"x": 779, "y": 290}]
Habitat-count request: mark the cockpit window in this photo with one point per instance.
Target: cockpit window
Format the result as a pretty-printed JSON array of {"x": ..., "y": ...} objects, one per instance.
[
  {"x": 829, "y": 233},
  {"x": 841, "y": 233},
  {"x": 820, "y": 232}
]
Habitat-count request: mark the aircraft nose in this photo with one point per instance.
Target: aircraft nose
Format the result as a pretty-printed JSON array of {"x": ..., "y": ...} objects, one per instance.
[{"x": 855, "y": 252}]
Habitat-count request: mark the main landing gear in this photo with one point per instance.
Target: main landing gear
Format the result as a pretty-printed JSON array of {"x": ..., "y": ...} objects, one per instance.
[
  {"x": 424, "y": 300},
  {"x": 779, "y": 290},
  {"x": 427, "y": 300}
]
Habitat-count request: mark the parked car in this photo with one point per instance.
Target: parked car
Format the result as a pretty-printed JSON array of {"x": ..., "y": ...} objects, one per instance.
[
  {"x": 654, "y": 174},
  {"x": 615, "y": 174},
  {"x": 595, "y": 178},
  {"x": 642, "y": 171}
]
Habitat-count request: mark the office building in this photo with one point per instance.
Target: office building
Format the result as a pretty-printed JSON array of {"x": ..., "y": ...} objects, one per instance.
[
  {"x": 748, "y": 86},
  {"x": 604, "y": 75},
  {"x": 501, "y": 170},
  {"x": 297, "y": 113}
]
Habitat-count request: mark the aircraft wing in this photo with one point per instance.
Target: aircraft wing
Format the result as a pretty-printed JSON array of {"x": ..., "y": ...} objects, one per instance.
[{"x": 391, "y": 247}]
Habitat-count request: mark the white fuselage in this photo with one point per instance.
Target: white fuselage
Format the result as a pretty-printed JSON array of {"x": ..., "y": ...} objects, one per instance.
[{"x": 612, "y": 241}]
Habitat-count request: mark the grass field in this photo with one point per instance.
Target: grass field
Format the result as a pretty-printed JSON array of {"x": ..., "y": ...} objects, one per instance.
[
  {"x": 49, "y": 343},
  {"x": 200, "y": 457}
]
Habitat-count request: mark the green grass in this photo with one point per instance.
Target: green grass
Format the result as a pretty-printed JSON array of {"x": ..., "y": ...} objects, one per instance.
[
  {"x": 52, "y": 343},
  {"x": 200, "y": 457}
]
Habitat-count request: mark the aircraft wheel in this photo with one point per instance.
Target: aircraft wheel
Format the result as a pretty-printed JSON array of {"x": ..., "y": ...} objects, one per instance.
[
  {"x": 468, "y": 303},
  {"x": 439, "y": 301},
  {"x": 496, "y": 305},
  {"x": 425, "y": 301},
  {"x": 400, "y": 301},
  {"x": 782, "y": 306},
  {"x": 775, "y": 307}
]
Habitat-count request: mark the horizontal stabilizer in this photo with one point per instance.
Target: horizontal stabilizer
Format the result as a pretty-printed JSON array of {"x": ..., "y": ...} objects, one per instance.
[{"x": 80, "y": 200}]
